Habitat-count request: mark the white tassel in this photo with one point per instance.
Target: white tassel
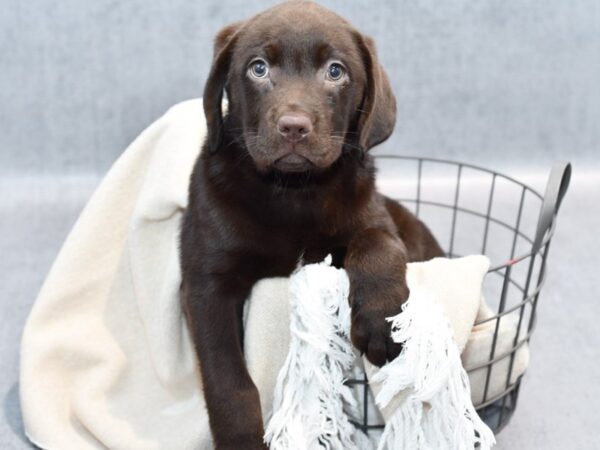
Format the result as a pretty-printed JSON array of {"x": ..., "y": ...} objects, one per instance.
[
  {"x": 310, "y": 392},
  {"x": 438, "y": 412}
]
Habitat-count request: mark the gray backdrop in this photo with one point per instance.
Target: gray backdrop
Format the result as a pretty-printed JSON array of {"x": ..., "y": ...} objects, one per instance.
[
  {"x": 483, "y": 81},
  {"x": 509, "y": 84}
]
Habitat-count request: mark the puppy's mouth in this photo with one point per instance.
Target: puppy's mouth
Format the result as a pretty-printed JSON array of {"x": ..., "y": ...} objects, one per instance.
[{"x": 293, "y": 162}]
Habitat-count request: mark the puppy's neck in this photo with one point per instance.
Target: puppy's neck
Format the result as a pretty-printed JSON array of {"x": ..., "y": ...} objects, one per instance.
[{"x": 343, "y": 188}]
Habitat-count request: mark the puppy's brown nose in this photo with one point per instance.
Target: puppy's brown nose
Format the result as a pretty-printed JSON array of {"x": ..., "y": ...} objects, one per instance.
[{"x": 294, "y": 126}]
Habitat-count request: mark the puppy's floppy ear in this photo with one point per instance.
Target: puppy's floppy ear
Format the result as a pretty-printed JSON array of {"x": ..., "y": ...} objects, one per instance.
[
  {"x": 378, "y": 109},
  {"x": 217, "y": 80}
]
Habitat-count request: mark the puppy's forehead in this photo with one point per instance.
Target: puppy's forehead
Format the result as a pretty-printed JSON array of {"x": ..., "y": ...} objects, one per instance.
[{"x": 298, "y": 28}]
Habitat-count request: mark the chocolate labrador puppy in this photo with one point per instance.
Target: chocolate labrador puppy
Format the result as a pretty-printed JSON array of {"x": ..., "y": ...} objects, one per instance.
[{"x": 285, "y": 176}]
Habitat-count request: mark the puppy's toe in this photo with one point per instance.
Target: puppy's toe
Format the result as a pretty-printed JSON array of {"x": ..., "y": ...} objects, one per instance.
[
  {"x": 393, "y": 349},
  {"x": 377, "y": 352}
]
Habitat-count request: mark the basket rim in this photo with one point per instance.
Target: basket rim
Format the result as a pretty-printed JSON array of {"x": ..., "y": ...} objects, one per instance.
[
  {"x": 494, "y": 173},
  {"x": 463, "y": 164}
]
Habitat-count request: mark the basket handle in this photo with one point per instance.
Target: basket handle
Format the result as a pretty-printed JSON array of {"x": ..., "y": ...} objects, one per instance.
[{"x": 558, "y": 183}]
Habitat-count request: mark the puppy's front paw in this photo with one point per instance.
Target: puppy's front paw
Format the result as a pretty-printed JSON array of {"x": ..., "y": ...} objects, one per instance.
[{"x": 370, "y": 331}]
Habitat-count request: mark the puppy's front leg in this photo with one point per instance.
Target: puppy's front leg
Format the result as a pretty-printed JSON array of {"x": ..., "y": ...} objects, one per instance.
[
  {"x": 376, "y": 265},
  {"x": 214, "y": 305}
]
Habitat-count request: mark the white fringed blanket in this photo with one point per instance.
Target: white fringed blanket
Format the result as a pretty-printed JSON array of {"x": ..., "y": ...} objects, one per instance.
[
  {"x": 106, "y": 359},
  {"x": 424, "y": 394}
]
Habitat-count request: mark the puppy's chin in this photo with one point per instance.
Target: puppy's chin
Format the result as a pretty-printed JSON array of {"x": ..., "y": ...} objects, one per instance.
[
  {"x": 285, "y": 160},
  {"x": 293, "y": 163}
]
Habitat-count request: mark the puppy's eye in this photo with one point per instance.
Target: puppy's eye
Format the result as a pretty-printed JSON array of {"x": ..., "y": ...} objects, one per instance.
[
  {"x": 259, "y": 68},
  {"x": 335, "y": 72}
]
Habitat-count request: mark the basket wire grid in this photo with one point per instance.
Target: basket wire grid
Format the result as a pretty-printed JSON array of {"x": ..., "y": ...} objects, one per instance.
[{"x": 476, "y": 210}]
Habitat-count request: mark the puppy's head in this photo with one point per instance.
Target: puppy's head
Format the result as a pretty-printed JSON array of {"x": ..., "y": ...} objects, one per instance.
[{"x": 302, "y": 83}]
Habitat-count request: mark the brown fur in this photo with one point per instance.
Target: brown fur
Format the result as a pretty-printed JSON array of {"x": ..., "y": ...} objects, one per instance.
[{"x": 250, "y": 218}]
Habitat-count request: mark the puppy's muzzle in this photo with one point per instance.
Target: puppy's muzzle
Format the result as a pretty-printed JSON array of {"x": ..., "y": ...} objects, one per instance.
[{"x": 293, "y": 127}]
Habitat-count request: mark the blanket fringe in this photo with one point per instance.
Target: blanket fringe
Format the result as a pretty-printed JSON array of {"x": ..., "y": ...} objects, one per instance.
[
  {"x": 436, "y": 412},
  {"x": 308, "y": 405}
]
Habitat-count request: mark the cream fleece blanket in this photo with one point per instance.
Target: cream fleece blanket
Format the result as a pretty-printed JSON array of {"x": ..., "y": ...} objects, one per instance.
[{"x": 106, "y": 359}]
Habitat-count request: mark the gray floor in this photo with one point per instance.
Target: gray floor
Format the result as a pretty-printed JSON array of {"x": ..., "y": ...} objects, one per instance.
[{"x": 559, "y": 406}]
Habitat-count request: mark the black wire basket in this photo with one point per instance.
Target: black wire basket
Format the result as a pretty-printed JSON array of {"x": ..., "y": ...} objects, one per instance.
[{"x": 473, "y": 210}]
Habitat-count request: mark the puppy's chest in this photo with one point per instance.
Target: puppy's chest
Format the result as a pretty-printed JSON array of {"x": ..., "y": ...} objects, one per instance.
[
  {"x": 317, "y": 251},
  {"x": 318, "y": 218},
  {"x": 303, "y": 228},
  {"x": 312, "y": 239},
  {"x": 316, "y": 245}
]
